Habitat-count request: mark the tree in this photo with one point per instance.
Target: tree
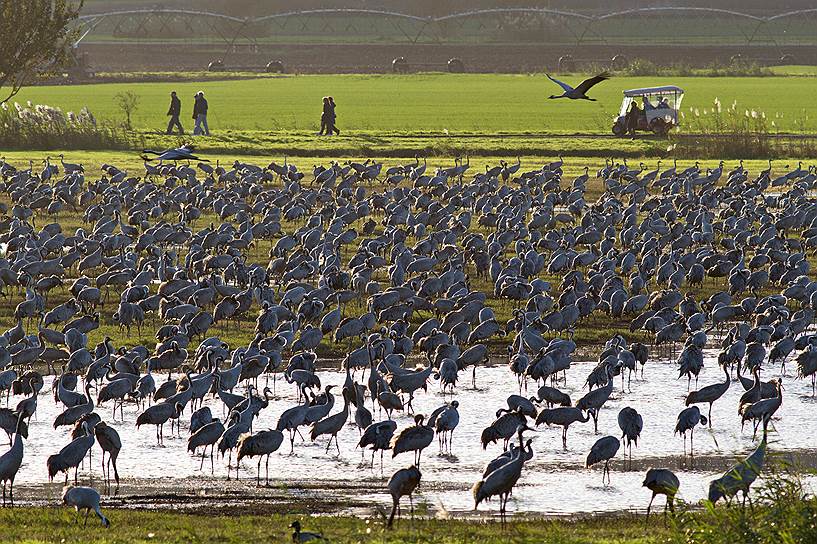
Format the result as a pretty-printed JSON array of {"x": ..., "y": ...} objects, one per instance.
[
  {"x": 34, "y": 39},
  {"x": 127, "y": 101}
]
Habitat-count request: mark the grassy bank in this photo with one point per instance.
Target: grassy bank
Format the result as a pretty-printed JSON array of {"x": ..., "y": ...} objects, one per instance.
[{"x": 35, "y": 525}]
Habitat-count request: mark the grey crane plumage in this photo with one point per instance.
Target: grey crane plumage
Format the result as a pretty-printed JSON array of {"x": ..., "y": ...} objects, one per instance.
[
  {"x": 378, "y": 436},
  {"x": 710, "y": 393},
  {"x": 631, "y": 423},
  {"x": 111, "y": 444},
  {"x": 71, "y": 455},
  {"x": 11, "y": 461},
  {"x": 158, "y": 415},
  {"x": 403, "y": 482},
  {"x": 687, "y": 419},
  {"x": 208, "y": 435},
  {"x": 662, "y": 481},
  {"x": 564, "y": 416},
  {"x": 604, "y": 449},
  {"x": 84, "y": 498},
  {"x": 580, "y": 91},
  {"x": 415, "y": 439},
  {"x": 332, "y": 424},
  {"x": 761, "y": 412},
  {"x": 740, "y": 477},
  {"x": 260, "y": 444},
  {"x": 501, "y": 481},
  {"x": 593, "y": 401},
  {"x": 444, "y": 420}
]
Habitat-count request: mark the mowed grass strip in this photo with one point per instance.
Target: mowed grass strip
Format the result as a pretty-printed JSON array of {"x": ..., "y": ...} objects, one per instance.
[{"x": 428, "y": 103}]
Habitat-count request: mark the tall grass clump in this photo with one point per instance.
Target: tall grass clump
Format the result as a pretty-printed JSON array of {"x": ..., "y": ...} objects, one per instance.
[
  {"x": 39, "y": 126},
  {"x": 737, "y": 133},
  {"x": 780, "y": 513},
  {"x": 723, "y": 132}
]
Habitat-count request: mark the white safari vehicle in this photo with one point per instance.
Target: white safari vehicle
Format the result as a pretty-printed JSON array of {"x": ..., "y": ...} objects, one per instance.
[{"x": 657, "y": 110}]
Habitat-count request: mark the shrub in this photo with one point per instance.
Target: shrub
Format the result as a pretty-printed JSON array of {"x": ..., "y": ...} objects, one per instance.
[
  {"x": 45, "y": 127},
  {"x": 781, "y": 513},
  {"x": 735, "y": 133}
]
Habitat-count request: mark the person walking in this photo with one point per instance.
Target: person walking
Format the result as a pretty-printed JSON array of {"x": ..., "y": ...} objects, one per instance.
[
  {"x": 174, "y": 112},
  {"x": 332, "y": 118},
  {"x": 325, "y": 116},
  {"x": 200, "y": 114}
]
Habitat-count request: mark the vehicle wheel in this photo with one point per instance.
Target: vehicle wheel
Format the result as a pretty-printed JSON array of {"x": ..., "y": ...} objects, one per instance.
[
  {"x": 619, "y": 129},
  {"x": 660, "y": 127}
]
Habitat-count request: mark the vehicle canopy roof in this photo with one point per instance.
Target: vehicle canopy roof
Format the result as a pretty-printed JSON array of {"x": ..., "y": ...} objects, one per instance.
[{"x": 654, "y": 90}]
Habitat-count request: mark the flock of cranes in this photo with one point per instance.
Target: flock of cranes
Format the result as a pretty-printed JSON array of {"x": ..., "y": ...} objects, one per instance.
[{"x": 397, "y": 267}]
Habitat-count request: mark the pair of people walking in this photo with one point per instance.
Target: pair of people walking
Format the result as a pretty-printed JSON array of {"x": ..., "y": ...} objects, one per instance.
[
  {"x": 199, "y": 114},
  {"x": 328, "y": 118}
]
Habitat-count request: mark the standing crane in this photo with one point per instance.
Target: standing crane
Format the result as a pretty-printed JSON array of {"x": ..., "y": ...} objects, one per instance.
[
  {"x": 84, "y": 498},
  {"x": 11, "y": 461},
  {"x": 501, "y": 481},
  {"x": 403, "y": 482},
  {"x": 260, "y": 444},
  {"x": 710, "y": 393},
  {"x": 604, "y": 449},
  {"x": 662, "y": 481}
]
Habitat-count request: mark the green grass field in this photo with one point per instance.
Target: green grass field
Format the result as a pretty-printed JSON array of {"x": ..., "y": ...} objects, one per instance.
[
  {"x": 36, "y": 525},
  {"x": 428, "y": 103}
]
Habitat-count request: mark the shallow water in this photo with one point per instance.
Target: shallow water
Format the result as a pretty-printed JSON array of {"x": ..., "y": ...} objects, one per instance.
[{"x": 553, "y": 482}]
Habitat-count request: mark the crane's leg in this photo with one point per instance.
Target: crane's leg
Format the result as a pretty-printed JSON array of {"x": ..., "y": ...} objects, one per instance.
[
  {"x": 203, "y": 455},
  {"x": 650, "y": 505},
  {"x": 266, "y": 481},
  {"x": 691, "y": 438},
  {"x": 710, "y": 415},
  {"x": 87, "y": 511},
  {"x": 104, "y": 476},
  {"x": 112, "y": 461},
  {"x": 258, "y": 473}
]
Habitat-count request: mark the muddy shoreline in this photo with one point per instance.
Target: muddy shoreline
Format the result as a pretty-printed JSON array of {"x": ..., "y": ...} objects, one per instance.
[{"x": 367, "y": 497}]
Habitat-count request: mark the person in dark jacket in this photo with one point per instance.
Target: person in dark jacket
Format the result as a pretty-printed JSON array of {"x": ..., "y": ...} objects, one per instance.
[
  {"x": 332, "y": 118},
  {"x": 200, "y": 114},
  {"x": 174, "y": 112},
  {"x": 325, "y": 117}
]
